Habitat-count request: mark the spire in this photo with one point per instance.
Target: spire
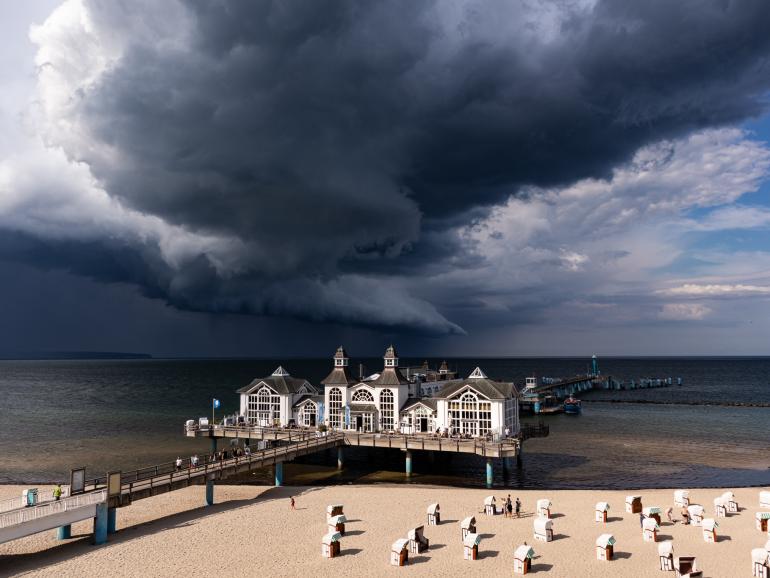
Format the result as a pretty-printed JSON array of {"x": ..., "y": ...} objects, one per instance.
[
  {"x": 444, "y": 368},
  {"x": 390, "y": 357},
  {"x": 281, "y": 372},
  {"x": 341, "y": 357}
]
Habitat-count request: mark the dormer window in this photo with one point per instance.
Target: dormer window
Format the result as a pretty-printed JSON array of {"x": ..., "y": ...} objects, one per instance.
[{"x": 390, "y": 363}]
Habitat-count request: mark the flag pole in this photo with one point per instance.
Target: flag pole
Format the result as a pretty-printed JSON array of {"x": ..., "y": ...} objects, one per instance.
[{"x": 212, "y": 412}]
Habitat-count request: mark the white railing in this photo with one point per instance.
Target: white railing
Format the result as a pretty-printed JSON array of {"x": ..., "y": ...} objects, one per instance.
[
  {"x": 50, "y": 508},
  {"x": 12, "y": 504},
  {"x": 20, "y": 502}
]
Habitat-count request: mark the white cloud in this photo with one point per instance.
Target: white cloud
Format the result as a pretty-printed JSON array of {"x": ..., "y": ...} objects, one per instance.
[
  {"x": 618, "y": 240},
  {"x": 683, "y": 312},
  {"x": 716, "y": 290}
]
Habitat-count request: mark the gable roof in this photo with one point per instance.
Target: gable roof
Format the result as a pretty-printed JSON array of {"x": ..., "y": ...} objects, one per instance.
[
  {"x": 489, "y": 388},
  {"x": 390, "y": 376},
  {"x": 428, "y": 402},
  {"x": 280, "y": 382},
  {"x": 338, "y": 376},
  {"x": 314, "y": 398}
]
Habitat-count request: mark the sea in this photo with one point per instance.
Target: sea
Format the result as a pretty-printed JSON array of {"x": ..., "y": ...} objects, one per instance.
[{"x": 109, "y": 415}]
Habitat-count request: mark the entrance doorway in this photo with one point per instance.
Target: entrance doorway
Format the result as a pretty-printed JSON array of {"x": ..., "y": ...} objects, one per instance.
[
  {"x": 359, "y": 422},
  {"x": 423, "y": 424}
]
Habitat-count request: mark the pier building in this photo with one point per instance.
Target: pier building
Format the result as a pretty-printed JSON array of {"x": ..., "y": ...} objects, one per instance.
[{"x": 278, "y": 398}]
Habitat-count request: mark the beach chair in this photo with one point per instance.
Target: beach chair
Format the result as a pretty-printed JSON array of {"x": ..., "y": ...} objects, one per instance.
[
  {"x": 543, "y": 529},
  {"x": 652, "y": 512},
  {"x": 468, "y": 526},
  {"x": 633, "y": 504},
  {"x": 686, "y": 567},
  {"x": 720, "y": 507},
  {"x": 761, "y": 520},
  {"x": 471, "y": 547},
  {"x": 601, "y": 512},
  {"x": 489, "y": 506},
  {"x": 334, "y": 510},
  {"x": 605, "y": 547},
  {"x": 522, "y": 559},
  {"x": 330, "y": 545},
  {"x": 760, "y": 563},
  {"x": 337, "y": 524},
  {"x": 650, "y": 530},
  {"x": 730, "y": 502},
  {"x": 696, "y": 514},
  {"x": 682, "y": 498},
  {"x": 417, "y": 542},
  {"x": 434, "y": 515},
  {"x": 544, "y": 508},
  {"x": 666, "y": 555},
  {"x": 709, "y": 526},
  {"x": 764, "y": 499},
  {"x": 399, "y": 553}
]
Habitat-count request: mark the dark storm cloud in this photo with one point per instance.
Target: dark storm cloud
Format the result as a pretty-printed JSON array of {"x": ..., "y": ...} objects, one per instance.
[{"x": 322, "y": 134}]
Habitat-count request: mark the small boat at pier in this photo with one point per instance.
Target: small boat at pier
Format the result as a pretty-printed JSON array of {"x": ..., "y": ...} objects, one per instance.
[{"x": 572, "y": 406}]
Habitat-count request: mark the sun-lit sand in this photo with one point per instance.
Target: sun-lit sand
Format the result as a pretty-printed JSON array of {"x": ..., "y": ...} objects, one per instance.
[{"x": 252, "y": 531}]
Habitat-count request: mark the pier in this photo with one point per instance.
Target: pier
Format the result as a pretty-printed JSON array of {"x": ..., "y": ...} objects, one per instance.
[{"x": 101, "y": 503}]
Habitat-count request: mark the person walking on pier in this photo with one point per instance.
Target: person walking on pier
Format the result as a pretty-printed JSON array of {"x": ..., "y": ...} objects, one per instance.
[
  {"x": 178, "y": 463},
  {"x": 57, "y": 492}
]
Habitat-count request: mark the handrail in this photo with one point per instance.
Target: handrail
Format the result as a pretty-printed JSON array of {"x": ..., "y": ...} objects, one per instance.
[
  {"x": 218, "y": 466},
  {"x": 49, "y": 508},
  {"x": 170, "y": 467}
]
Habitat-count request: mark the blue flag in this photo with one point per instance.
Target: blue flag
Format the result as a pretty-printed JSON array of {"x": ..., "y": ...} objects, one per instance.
[{"x": 216, "y": 403}]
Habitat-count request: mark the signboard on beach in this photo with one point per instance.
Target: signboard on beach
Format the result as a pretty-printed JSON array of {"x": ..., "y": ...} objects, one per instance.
[
  {"x": 77, "y": 481},
  {"x": 113, "y": 484}
]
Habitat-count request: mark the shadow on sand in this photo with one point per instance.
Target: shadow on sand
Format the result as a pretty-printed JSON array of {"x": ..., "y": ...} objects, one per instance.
[{"x": 79, "y": 545}]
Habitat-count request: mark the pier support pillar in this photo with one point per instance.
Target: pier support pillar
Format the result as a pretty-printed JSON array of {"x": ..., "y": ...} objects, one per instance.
[
  {"x": 112, "y": 520},
  {"x": 340, "y": 457},
  {"x": 519, "y": 455},
  {"x": 507, "y": 462},
  {"x": 210, "y": 492},
  {"x": 490, "y": 472},
  {"x": 279, "y": 474},
  {"x": 408, "y": 463},
  {"x": 213, "y": 445},
  {"x": 100, "y": 524},
  {"x": 64, "y": 532}
]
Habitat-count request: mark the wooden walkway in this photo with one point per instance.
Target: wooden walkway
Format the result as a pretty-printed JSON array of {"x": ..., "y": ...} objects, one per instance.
[
  {"x": 508, "y": 448},
  {"x": 162, "y": 478}
]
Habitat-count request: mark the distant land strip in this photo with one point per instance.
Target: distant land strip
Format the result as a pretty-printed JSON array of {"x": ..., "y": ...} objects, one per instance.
[{"x": 662, "y": 402}]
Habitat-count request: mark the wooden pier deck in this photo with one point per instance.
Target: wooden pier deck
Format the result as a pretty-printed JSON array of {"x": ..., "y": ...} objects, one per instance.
[
  {"x": 505, "y": 448},
  {"x": 163, "y": 478}
]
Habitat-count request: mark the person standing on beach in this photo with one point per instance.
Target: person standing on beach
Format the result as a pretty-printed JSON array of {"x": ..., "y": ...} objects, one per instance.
[
  {"x": 291, "y": 502},
  {"x": 641, "y": 520},
  {"x": 518, "y": 507}
]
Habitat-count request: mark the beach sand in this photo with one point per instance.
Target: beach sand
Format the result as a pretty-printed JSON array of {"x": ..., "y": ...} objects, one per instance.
[{"x": 251, "y": 531}]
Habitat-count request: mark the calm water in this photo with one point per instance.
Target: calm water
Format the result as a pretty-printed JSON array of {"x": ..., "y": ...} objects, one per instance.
[{"x": 126, "y": 414}]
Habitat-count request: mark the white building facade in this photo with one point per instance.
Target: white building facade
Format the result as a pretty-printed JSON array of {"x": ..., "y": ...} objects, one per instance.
[
  {"x": 387, "y": 402},
  {"x": 279, "y": 400}
]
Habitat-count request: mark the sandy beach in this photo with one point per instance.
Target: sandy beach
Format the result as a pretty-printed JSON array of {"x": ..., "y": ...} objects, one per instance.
[{"x": 252, "y": 531}]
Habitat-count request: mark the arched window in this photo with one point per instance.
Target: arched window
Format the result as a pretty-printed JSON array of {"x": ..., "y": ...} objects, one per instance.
[
  {"x": 335, "y": 407},
  {"x": 264, "y": 407},
  {"x": 363, "y": 396},
  {"x": 386, "y": 409},
  {"x": 470, "y": 416},
  {"x": 308, "y": 414}
]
